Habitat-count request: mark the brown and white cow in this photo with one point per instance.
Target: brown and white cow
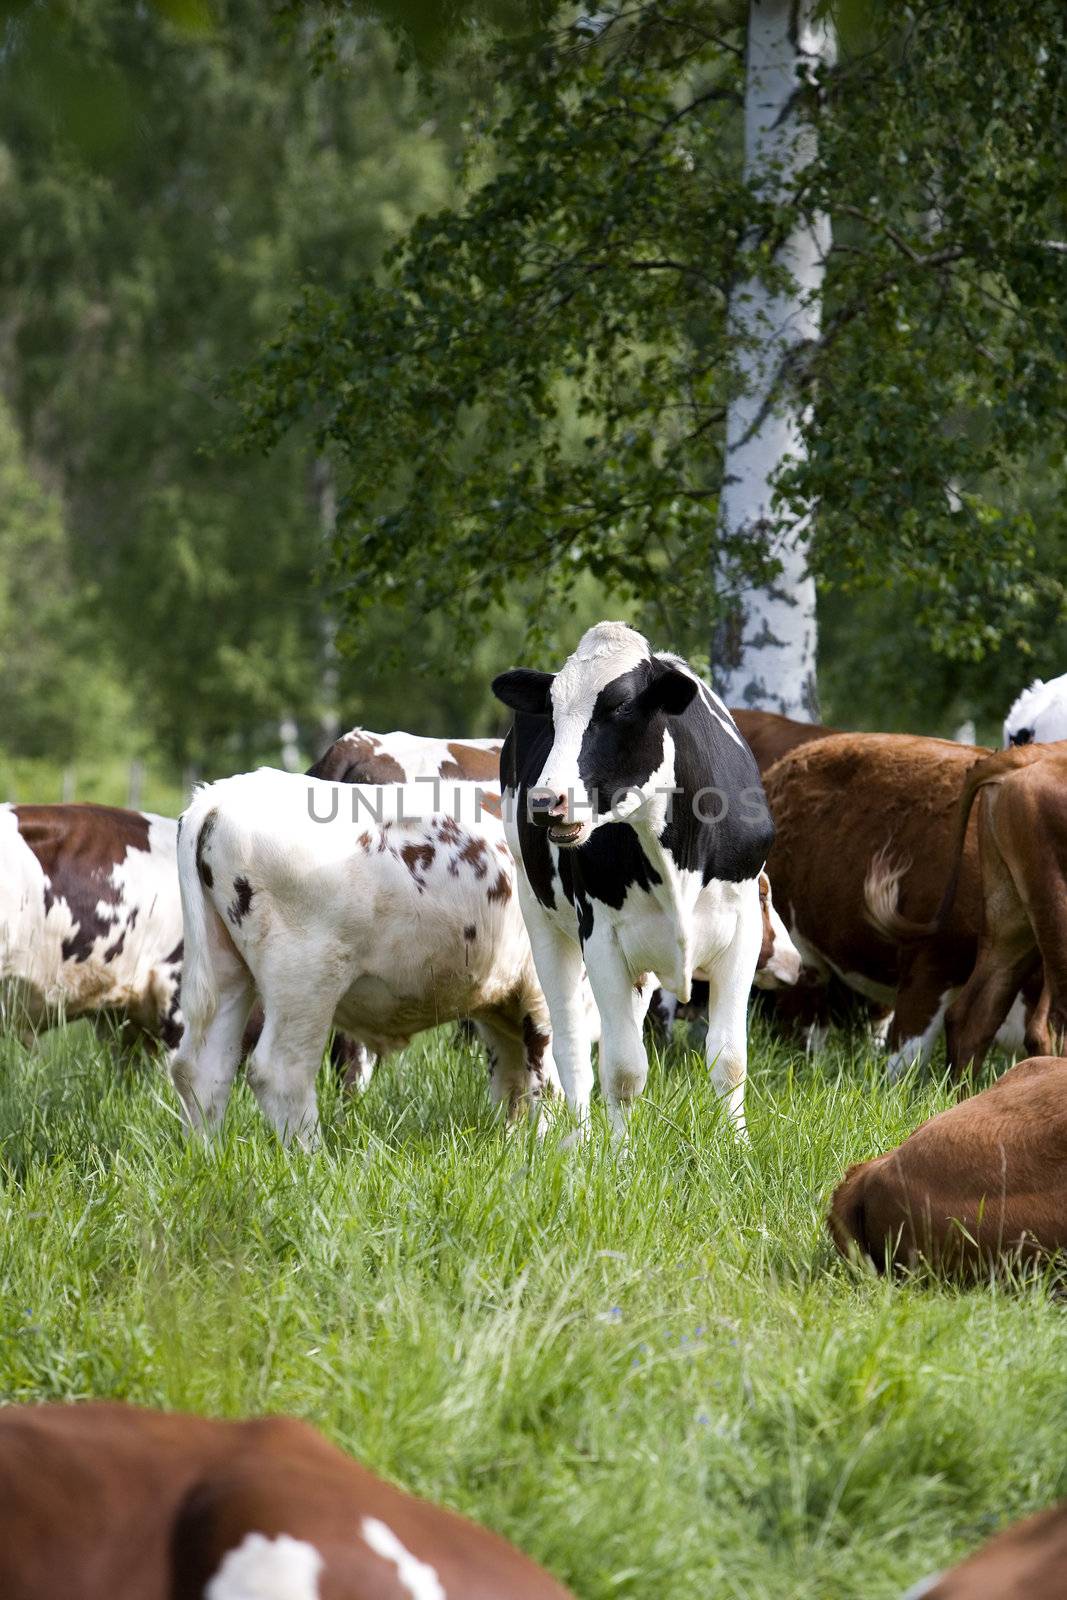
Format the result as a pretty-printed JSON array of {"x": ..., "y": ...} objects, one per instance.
[
  {"x": 90, "y": 918},
  {"x": 360, "y": 756},
  {"x": 865, "y": 824},
  {"x": 779, "y": 964},
  {"x": 1025, "y": 1562},
  {"x": 984, "y": 1180},
  {"x": 110, "y": 1502},
  {"x": 380, "y": 911},
  {"x": 1021, "y": 796},
  {"x": 769, "y": 735}
]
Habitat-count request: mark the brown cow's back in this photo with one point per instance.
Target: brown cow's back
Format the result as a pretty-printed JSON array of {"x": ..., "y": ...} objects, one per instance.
[
  {"x": 986, "y": 1177},
  {"x": 143, "y": 1505},
  {"x": 769, "y": 735}
]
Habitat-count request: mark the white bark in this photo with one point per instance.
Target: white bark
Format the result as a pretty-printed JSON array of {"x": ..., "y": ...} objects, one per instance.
[
  {"x": 325, "y": 490},
  {"x": 765, "y": 650}
]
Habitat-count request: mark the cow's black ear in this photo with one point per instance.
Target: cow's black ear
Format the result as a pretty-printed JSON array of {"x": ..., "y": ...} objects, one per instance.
[
  {"x": 523, "y": 689},
  {"x": 669, "y": 691}
]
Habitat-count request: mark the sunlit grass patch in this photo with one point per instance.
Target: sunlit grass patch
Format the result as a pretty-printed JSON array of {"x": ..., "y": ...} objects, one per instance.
[{"x": 654, "y": 1374}]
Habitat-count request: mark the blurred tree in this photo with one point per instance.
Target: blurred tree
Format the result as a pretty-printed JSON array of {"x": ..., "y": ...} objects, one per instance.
[
  {"x": 589, "y": 277},
  {"x": 161, "y": 204},
  {"x": 525, "y": 411},
  {"x": 61, "y": 695}
]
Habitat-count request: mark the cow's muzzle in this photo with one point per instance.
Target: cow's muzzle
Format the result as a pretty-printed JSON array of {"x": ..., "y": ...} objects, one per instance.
[
  {"x": 547, "y": 807},
  {"x": 550, "y": 810}
]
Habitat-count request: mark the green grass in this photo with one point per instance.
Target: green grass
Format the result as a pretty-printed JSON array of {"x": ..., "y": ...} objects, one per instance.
[{"x": 653, "y": 1375}]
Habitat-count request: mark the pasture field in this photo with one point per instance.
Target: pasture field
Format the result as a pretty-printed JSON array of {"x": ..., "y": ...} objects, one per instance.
[
  {"x": 654, "y": 1375},
  {"x": 102, "y": 782}
]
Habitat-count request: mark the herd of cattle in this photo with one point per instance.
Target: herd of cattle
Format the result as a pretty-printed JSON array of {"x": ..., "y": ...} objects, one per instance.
[{"x": 630, "y": 839}]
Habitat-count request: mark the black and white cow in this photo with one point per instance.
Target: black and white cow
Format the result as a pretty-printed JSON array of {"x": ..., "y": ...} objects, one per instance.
[
  {"x": 1039, "y": 714},
  {"x": 635, "y": 810}
]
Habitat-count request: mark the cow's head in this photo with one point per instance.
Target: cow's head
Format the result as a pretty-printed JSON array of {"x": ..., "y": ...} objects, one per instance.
[
  {"x": 779, "y": 961},
  {"x": 609, "y": 708},
  {"x": 1039, "y": 715}
]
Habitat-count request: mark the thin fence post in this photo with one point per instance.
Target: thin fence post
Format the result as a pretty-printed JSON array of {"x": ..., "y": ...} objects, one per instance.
[
  {"x": 69, "y": 785},
  {"x": 136, "y": 784}
]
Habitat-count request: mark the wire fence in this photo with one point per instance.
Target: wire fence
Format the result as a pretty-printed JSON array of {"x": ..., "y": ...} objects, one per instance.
[{"x": 134, "y": 784}]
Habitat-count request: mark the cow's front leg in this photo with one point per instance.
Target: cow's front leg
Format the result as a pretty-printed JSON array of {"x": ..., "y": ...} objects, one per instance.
[
  {"x": 561, "y": 974},
  {"x": 730, "y": 973},
  {"x": 622, "y": 1004}
]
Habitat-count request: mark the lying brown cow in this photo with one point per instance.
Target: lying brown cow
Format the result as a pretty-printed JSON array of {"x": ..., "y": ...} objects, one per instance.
[
  {"x": 865, "y": 824},
  {"x": 984, "y": 1180},
  {"x": 108, "y": 1502},
  {"x": 769, "y": 735},
  {"x": 1028, "y": 1561},
  {"x": 1022, "y": 848}
]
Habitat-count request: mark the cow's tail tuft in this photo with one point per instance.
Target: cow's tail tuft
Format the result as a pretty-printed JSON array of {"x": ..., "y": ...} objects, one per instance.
[
  {"x": 882, "y": 885},
  {"x": 881, "y": 900},
  {"x": 199, "y": 989},
  {"x": 881, "y": 895}
]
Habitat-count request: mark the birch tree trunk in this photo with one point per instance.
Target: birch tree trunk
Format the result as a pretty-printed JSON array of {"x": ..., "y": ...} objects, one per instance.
[
  {"x": 324, "y": 488},
  {"x": 764, "y": 650}
]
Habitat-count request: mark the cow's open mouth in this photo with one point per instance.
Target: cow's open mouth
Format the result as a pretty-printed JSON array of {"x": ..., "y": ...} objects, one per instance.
[{"x": 565, "y": 832}]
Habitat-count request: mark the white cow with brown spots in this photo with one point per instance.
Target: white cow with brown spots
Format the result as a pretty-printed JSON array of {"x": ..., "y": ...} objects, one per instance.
[
  {"x": 110, "y": 1502},
  {"x": 362, "y": 756},
  {"x": 378, "y": 911}
]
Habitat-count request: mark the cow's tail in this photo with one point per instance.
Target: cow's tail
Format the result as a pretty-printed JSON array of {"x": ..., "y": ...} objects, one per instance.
[
  {"x": 881, "y": 888},
  {"x": 199, "y": 988}
]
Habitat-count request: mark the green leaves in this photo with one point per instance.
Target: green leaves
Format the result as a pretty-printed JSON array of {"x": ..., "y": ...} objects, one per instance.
[
  {"x": 536, "y": 386},
  {"x": 518, "y": 395},
  {"x": 131, "y": 285}
]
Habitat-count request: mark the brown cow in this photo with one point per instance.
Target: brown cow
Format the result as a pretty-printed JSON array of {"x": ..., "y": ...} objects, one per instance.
[
  {"x": 1022, "y": 847},
  {"x": 876, "y": 812},
  {"x": 110, "y": 1502},
  {"x": 769, "y": 735},
  {"x": 1027, "y": 1561},
  {"x": 987, "y": 1178}
]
